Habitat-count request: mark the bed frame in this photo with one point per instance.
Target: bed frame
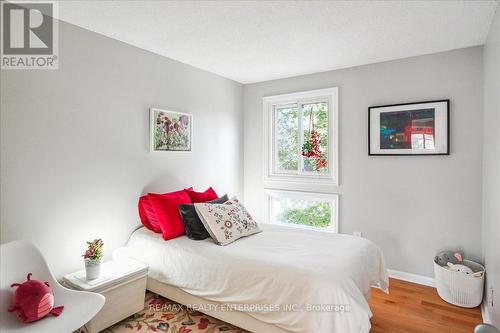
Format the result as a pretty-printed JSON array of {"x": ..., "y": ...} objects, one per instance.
[{"x": 240, "y": 319}]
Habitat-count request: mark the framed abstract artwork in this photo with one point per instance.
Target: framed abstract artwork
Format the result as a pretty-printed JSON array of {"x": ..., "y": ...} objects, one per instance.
[
  {"x": 170, "y": 130},
  {"x": 409, "y": 129}
]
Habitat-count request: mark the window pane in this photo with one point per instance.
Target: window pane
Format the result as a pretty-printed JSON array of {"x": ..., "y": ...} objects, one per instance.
[
  {"x": 287, "y": 139},
  {"x": 301, "y": 211},
  {"x": 315, "y": 132}
]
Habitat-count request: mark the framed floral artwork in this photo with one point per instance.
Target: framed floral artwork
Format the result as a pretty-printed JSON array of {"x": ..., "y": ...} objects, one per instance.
[{"x": 170, "y": 130}]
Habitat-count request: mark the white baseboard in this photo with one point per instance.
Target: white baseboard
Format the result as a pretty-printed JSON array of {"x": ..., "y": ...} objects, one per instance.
[
  {"x": 485, "y": 313},
  {"x": 409, "y": 277}
]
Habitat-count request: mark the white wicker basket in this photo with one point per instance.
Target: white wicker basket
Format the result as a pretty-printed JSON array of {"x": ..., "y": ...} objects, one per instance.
[{"x": 458, "y": 288}]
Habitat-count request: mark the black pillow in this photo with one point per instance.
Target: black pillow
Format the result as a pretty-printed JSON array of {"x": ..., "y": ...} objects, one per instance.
[{"x": 192, "y": 223}]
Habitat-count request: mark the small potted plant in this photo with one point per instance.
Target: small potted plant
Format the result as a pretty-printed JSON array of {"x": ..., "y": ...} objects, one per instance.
[{"x": 93, "y": 259}]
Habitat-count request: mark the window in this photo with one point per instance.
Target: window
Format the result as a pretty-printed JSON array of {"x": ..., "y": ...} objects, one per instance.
[
  {"x": 301, "y": 209},
  {"x": 301, "y": 158},
  {"x": 301, "y": 137}
]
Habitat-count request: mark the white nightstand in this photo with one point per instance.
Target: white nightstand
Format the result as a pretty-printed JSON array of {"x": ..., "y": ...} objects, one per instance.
[{"x": 122, "y": 282}]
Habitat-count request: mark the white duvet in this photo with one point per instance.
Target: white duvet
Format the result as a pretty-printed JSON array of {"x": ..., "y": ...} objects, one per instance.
[{"x": 313, "y": 282}]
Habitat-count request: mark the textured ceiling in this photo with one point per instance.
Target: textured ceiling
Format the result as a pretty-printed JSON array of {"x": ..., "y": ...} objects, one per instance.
[{"x": 251, "y": 41}]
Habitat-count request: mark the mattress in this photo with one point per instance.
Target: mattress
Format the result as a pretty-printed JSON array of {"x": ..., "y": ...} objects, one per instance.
[{"x": 302, "y": 281}]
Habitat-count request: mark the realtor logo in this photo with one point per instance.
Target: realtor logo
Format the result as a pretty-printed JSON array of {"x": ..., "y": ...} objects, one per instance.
[{"x": 29, "y": 36}]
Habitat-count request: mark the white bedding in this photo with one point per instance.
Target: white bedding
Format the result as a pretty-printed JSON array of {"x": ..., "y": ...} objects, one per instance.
[{"x": 277, "y": 267}]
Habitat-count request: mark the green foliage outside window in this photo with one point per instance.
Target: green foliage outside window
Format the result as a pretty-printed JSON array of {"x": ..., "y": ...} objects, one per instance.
[
  {"x": 289, "y": 154},
  {"x": 315, "y": 215},
  {"x": 320, "y": 116},
  {"x": 287, "y": 136}
]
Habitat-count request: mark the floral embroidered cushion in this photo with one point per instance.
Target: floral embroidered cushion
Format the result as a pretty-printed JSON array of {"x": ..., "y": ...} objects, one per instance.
[{"x": 226, "y": 222}]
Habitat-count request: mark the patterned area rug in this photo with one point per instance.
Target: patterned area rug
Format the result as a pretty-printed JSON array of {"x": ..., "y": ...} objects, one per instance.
[{"x": 163, "y": 315}]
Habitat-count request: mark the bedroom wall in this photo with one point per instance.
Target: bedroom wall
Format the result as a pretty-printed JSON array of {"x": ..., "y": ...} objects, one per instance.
[
  {"x": 409, "y": 206},
  {"x": 74, "y": 143},
  {"x": 491, "y": 168}
]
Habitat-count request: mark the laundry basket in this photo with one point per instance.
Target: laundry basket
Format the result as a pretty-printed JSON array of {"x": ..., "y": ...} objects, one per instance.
[{"x": 458, "y": 288}]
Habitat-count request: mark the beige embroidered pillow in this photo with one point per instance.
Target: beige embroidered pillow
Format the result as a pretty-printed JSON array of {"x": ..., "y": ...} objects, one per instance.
[{"x": 226, "y": 222}]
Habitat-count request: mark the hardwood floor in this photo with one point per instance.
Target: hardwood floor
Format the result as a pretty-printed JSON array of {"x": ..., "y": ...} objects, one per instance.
[{"x": 413, "y": 308}]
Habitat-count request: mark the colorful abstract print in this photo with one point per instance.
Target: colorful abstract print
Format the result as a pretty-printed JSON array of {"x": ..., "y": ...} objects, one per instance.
[{"x": 412, "y": 129}]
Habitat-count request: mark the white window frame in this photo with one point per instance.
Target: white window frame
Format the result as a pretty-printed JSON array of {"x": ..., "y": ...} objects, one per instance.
[
  {"x": 333, "y": 199},
  {"x": 270, "y": 104}
]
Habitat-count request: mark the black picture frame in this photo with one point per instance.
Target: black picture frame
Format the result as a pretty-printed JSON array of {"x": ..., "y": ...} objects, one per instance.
[{"x": 447, "y": 124}]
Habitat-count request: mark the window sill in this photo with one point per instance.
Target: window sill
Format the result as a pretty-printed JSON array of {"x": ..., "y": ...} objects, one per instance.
[
  {"x": 325, "y": 188},
  {"x": 305, "y": 227},
  {"x": 302, "y": 179}
]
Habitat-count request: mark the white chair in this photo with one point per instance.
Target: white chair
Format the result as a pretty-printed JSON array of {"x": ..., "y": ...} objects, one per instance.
[
  {"x": 19, "y": 258},
  {"x": 486, "y": 328}
]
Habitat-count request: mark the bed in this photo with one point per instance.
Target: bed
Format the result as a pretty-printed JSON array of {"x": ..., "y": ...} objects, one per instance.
[{"x": 281, "y": 280}]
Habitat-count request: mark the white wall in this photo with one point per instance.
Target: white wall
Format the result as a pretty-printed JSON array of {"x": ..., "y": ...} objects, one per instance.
[
  {"x": 74, "y": 148},
  {"x": 74, "y": 142},
  {"x": 491, "y": 168},
  {"x": 410, "y": 206}
]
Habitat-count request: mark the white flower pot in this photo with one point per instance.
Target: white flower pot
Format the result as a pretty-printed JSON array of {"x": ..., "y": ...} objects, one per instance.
[{"x": 93, "y": 268}]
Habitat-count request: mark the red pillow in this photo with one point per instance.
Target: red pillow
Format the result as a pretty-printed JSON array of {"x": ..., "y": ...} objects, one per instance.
[
  {"x": 166, "y": 207},
  {"x": 148, "y": 215},
  {"x": 196, "y": 197}
]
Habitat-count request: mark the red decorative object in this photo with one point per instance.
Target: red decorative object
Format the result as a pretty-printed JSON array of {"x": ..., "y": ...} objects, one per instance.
[
  {"x": 166, "y": 207},
  {"x": 147, "y": 214},
  {"x": 33, "y": 300},
  {"x": 203, "y": 324},
  {"x": 196, "y": 197},
  {"x": 312, "y": 149}
]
